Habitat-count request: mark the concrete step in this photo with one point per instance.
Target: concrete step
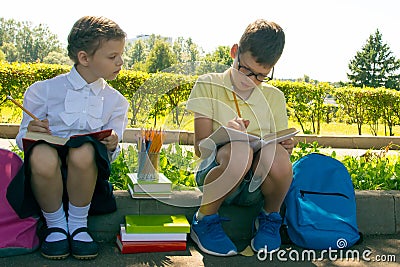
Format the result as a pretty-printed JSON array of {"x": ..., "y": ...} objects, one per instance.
[{"x": 378, "y": 212}]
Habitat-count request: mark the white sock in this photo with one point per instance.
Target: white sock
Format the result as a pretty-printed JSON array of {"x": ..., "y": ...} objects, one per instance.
[
  {"x": 56, "y": 219},
  {"x": 265, "y": 212},
  {"x": 77, "y": 218},
  {"x": 199, "y": 215}
]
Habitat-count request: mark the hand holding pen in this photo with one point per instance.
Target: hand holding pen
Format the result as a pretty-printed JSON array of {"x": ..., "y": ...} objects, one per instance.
[
  {"x": 239, "y": 124},
  {"x": 35, "y": 125}
]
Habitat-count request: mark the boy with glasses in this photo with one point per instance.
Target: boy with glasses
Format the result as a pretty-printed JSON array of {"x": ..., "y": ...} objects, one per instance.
[{"x": 241, "y": 99}]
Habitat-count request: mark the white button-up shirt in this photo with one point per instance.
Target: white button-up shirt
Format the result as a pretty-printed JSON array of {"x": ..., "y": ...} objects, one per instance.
[{"x": 73, "y": 106}]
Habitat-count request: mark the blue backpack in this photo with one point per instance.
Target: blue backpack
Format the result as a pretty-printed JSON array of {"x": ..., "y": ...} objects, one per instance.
[{"x": 320, "y": 204}]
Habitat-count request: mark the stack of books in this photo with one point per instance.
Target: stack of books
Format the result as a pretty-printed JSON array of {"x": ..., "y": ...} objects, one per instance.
[
  {"x": 161, "y": 188},
  {"x": 153, "y": 233}
]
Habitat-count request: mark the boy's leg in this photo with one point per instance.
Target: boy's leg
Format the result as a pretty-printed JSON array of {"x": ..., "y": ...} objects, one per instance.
[
  {"x": 234, "y": 161},
  {"x": 274, "y": 163},
  {"x": 47, "y": 186},
  {"x": 81, "y": 181}
]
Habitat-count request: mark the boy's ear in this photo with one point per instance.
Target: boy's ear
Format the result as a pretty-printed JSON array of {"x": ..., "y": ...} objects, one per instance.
[
  {"x": 83, "y": 58},
  {"x": 234, "y": 50}
]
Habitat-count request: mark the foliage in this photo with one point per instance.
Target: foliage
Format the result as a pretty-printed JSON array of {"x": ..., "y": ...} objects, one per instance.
[
  {"x": 23, "y": 42},
  {"x": 175, "y": 162},
  {"x": 125, "y": 163},
  {"x": 159, "y": 98},
  {"x": 160, "y": 57},
  {"x": 178, "y": 165},
  {"x": 305, "y": 103},
  {"x": 375, "y": 65},
  {"x": 374, "y": 170}
]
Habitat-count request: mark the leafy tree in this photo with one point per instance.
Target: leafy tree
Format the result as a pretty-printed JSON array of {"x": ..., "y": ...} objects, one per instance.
[
  {"x": 23, "y": 42},
  {"x": 160, "y": 57},
  {"x": 57, "y": 58},
  {"x": 2, "y": 56},
  {"x": 186, "y": 50},
  {"x": 10, "y": 52},
  {"x": 375, "y": 65},
  {"x": 137, "y": 53},
  {"x": 8, "y": 31},
  {"x": 222, "y": 55}
]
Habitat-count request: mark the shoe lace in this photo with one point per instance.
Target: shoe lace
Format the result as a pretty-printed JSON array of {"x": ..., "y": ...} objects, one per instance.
[
  {"x": 268, "y": 224},
  {"x": 214, "y": 227}
]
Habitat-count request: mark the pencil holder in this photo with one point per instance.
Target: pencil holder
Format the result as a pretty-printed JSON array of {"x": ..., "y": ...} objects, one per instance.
[{"x": 148, "y": 164}]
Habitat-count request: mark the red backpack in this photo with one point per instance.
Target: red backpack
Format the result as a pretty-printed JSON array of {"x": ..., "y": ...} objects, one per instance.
[{"x": 18, "y": 236}]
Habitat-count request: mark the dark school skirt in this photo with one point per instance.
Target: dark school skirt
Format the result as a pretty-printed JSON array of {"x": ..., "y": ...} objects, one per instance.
[{"x": 20, "y": 195}]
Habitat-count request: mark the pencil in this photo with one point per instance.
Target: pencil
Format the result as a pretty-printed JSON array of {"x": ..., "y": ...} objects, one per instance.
[
  {"x": 236, "y": 104},
  {"x": 23, "y": 108}
]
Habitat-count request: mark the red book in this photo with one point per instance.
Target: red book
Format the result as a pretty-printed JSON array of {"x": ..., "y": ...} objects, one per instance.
[
  {"x": 32, "y": 137},
  {"x": 128, "y": 247}
]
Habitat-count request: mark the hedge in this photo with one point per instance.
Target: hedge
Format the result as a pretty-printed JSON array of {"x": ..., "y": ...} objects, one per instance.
[{"x": 154, "y": 96}]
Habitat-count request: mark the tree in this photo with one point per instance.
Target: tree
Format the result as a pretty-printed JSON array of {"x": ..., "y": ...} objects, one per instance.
[
  {"x": 10, "y": 52},
  {"x": 57, "y": 58},
  {"x": 375, "y": 65},
  {"x": 160, "y": 57},
  {"x": 137, "y": 53},
  {"x": 221, "y": 55},
  {"x": 21, "y": 41},
  {"x": 2, "y": 55},
  {"x": 186, "y": 50}
]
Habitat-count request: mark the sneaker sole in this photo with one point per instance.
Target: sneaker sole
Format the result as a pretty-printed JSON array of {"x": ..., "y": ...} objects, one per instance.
[
  {"x": 55, "y": 257},
  {"x": 84, "y": 257},
  {"x": 197, "y": 241},
  {"x": 255, "y": 250}
]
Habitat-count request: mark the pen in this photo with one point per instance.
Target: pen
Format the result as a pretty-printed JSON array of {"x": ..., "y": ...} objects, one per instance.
[
  {"x": 23, "y": 108},
  {"x": 236, "y": 104}
]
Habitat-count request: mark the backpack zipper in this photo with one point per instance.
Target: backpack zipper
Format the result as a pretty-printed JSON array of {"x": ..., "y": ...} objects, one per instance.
[{"x": 303, "y": 192}]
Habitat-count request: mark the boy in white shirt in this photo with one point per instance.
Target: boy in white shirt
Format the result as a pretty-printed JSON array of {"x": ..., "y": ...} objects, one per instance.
[{"x": 74, "y": 177}]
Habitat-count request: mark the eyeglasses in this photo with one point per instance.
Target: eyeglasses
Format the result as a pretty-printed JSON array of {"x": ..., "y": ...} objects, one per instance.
[{"x": 248, "y": 72}]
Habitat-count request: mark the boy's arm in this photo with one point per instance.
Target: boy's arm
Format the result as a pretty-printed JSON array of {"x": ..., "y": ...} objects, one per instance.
[{"x": 202, "y": 129}]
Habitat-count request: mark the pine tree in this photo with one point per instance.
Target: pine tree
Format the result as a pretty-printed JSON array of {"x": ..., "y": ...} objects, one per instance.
[{"x": 375, "y": 65}]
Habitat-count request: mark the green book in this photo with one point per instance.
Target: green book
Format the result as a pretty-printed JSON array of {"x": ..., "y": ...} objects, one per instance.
[{"x": 156, "y": 224}]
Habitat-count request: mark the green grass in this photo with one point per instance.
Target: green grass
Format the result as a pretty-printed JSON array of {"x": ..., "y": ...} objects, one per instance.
[{"x": 335, "y": 128}]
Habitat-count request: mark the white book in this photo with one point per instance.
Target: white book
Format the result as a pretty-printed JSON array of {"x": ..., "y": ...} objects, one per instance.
[
  {"x": 163, "y": 185},
  {"x": 151, "y": 237},
  {"x": 225, "y": 135},
  {"x": 148, "y": 195}
]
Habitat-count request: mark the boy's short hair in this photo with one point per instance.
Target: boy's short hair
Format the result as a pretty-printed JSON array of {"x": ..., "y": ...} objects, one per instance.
[
  {"x": 89, "y": 32},
  {"x": 264, "y": 40}
]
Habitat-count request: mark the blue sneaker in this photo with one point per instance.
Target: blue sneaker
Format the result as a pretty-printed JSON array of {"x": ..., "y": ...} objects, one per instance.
[
  {"x": 267, "y": 236},
  {"x": 210, "y": 237}
]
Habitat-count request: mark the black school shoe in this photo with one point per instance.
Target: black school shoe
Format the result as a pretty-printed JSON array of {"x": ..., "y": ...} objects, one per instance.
[
  {"x": 82, "y": 250},
  {"x": 57, "y": 250}
]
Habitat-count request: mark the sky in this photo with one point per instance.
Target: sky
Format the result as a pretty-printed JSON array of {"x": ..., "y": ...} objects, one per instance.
[{"x": 322, "y": 36}]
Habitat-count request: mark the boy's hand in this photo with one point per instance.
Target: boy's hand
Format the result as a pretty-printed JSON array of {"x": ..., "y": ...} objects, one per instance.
[
  {"x": 288, "y": 144},
  {"x": 39, "y": 126},
  {"x": 111, "y": 141},
  {"x": 239, "y": 124}
]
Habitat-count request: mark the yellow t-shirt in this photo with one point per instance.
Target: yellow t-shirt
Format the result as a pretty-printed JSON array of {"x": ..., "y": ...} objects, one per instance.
[{"x": 212, "y": 97}]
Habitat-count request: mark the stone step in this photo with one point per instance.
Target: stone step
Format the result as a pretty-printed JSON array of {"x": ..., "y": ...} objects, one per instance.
[{"x": 378, "y": 212}]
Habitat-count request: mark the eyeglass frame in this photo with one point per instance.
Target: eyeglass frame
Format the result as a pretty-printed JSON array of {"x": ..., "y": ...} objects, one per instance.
[{"x": 266, "y": 78}]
